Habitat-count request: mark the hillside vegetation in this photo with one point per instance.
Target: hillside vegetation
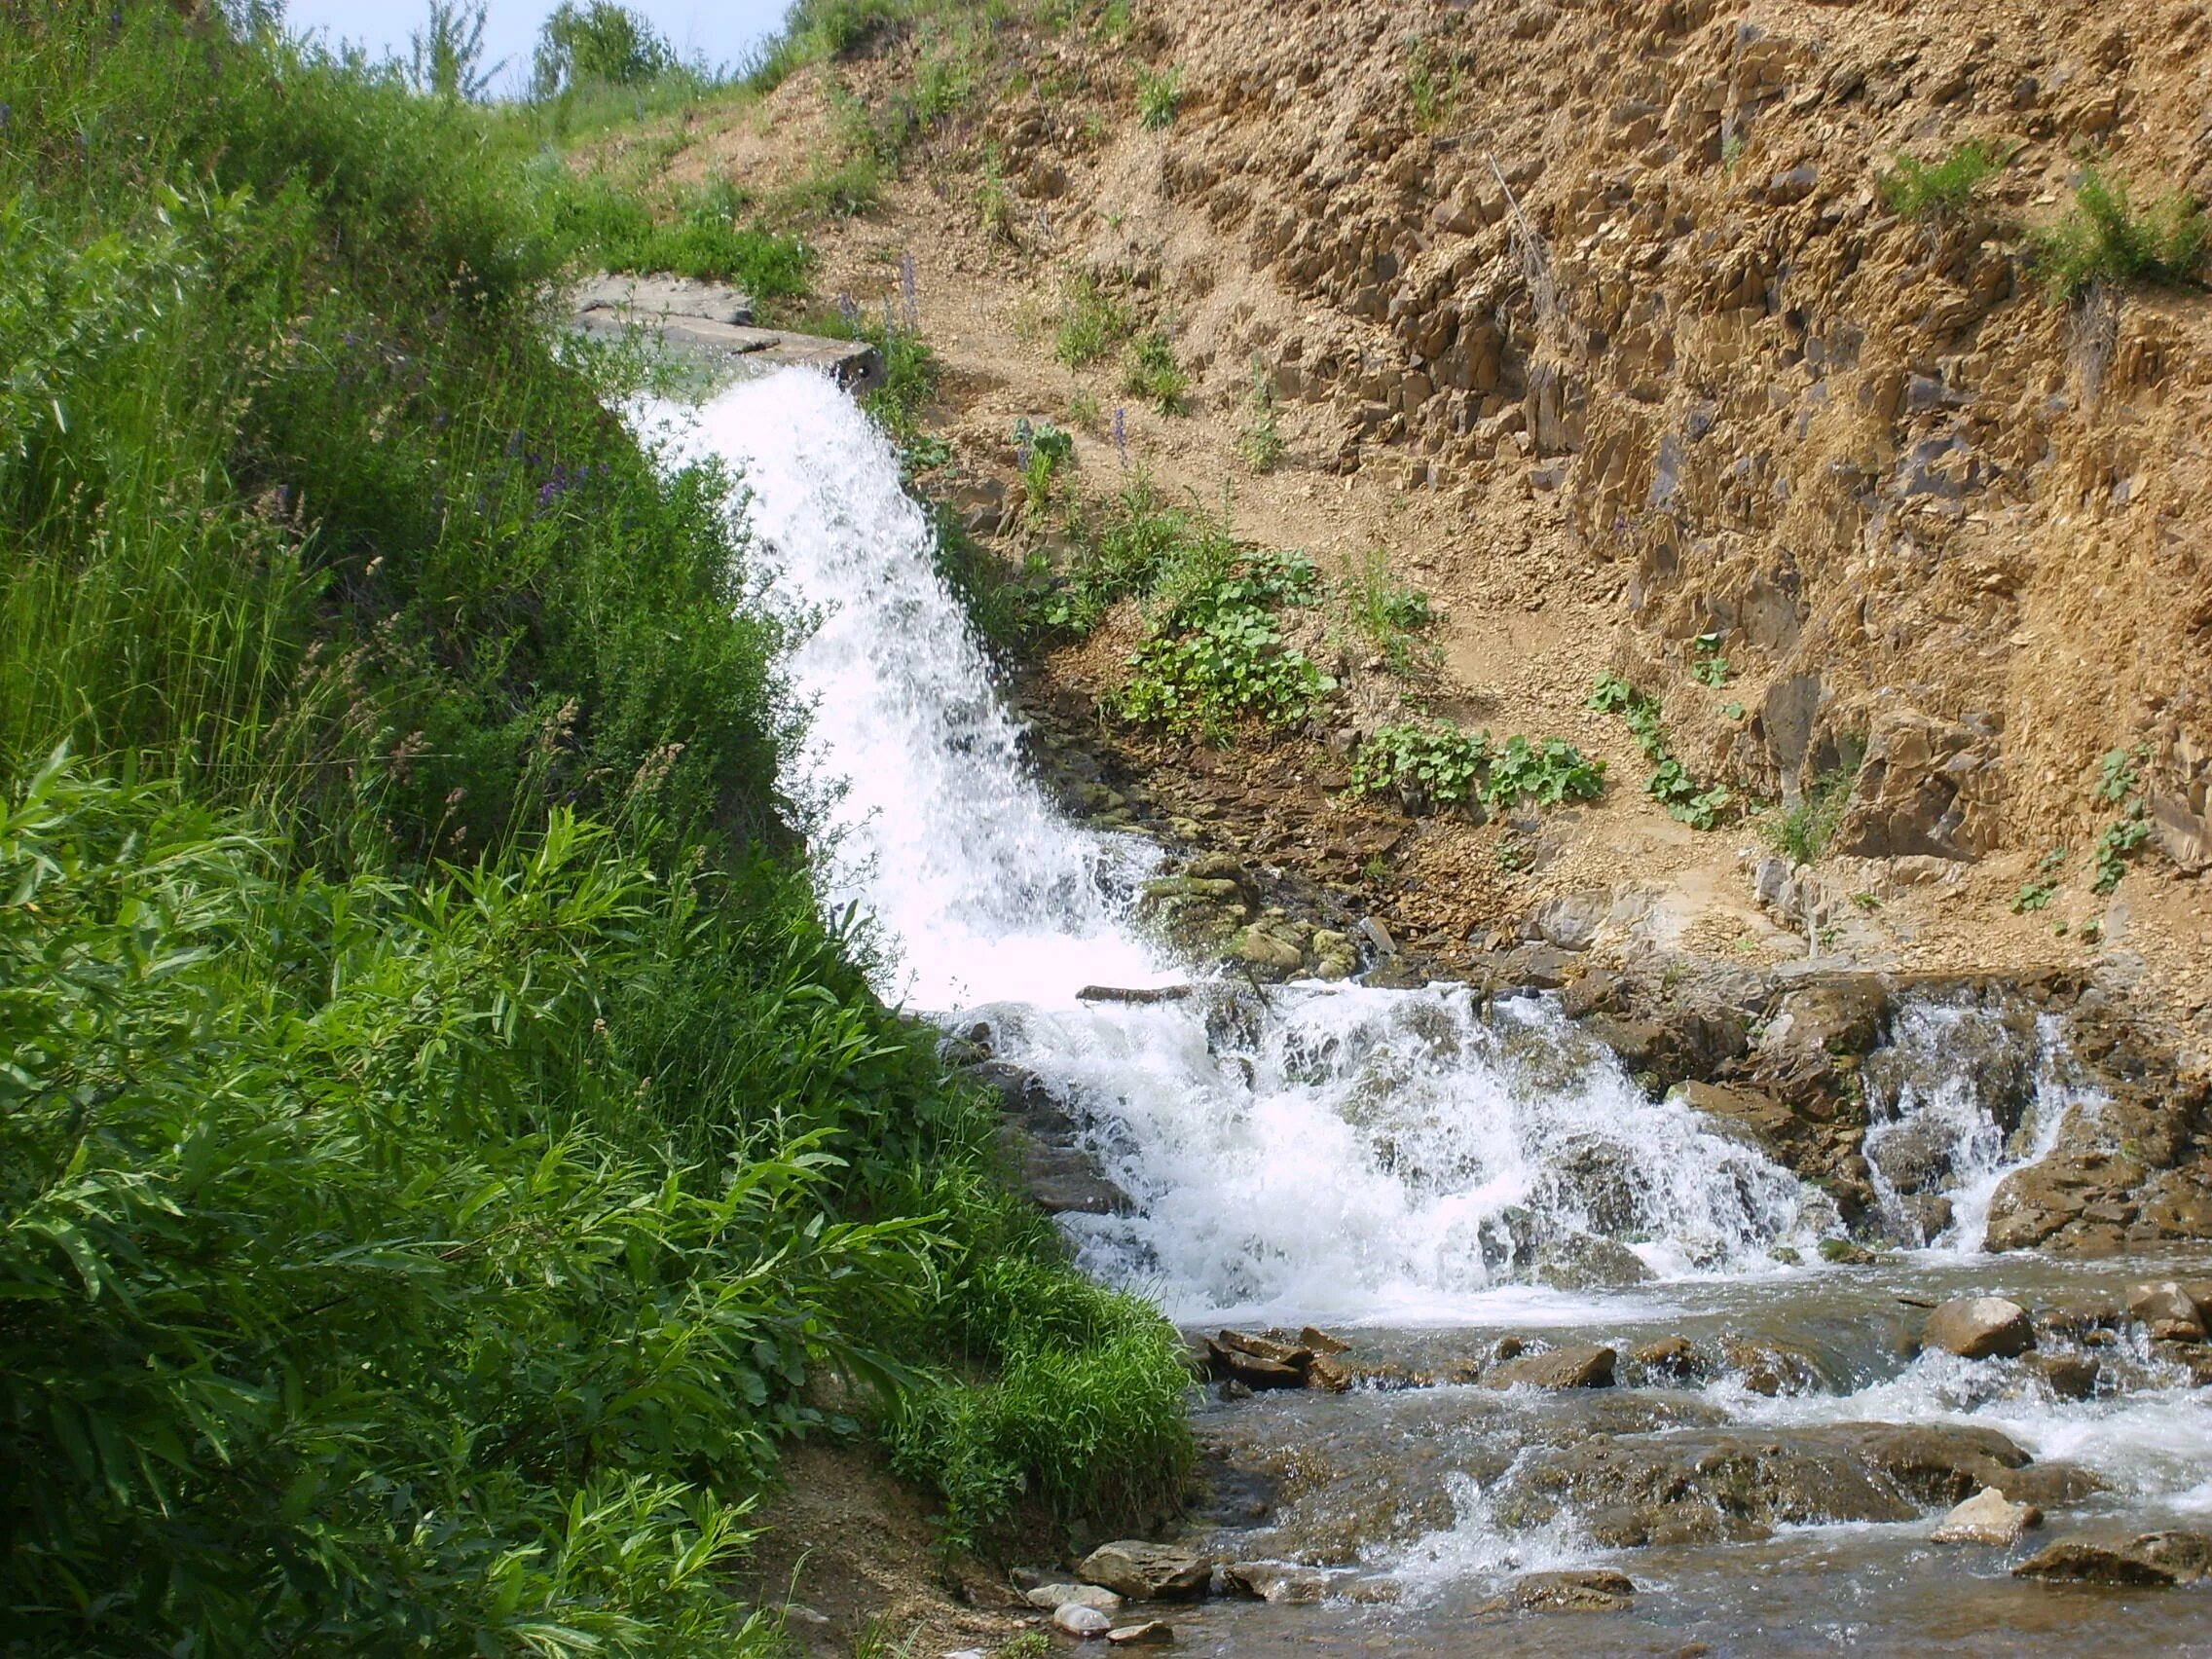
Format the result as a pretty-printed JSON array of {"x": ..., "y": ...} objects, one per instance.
[{"x": 445, "y": 1153}]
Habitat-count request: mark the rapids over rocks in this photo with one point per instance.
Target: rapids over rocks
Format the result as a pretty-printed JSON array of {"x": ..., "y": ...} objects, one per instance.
[{"x": 1449, "y": 1185}]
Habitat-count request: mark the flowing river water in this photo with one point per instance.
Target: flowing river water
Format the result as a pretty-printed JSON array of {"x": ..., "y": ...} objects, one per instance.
[{"x": 1392, "y": 1164}]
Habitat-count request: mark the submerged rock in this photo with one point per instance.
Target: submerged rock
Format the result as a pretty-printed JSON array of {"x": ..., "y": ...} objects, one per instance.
[
  {"x": 1276, "y": 1582},
  {"x": 1153, "y": 1633},
  {"x": 1979, "y": 1327},
  {"x": 1078, "y": 1620},
  {"x": 1145, "y": 1571},
  {"x": 1585, "y": 1262},
  {"x": 1772, "y": 1368},
  {"x": 1988, "y": 1516},
  {"x": 1574, "y": 1590},
  {"x": 2148, "y": 1558}
]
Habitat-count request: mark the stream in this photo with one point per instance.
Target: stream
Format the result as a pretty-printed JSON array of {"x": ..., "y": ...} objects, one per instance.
[{"x": 1409, "y": 1170}]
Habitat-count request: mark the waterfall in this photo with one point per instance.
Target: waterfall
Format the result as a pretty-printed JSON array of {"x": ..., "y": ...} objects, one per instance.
[
  {"x": 1312, "y": 1148},
  {"x": 1962, "y": 1093}
]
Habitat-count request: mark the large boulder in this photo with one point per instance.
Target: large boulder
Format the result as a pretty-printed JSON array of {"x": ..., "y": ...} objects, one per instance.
[
  {"x": 1145, "y": 1571},
  {"x": 1979, "y": 1327}
]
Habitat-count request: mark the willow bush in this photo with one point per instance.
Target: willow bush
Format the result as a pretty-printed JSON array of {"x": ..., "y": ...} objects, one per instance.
[{"x": 443, "y": 1152}]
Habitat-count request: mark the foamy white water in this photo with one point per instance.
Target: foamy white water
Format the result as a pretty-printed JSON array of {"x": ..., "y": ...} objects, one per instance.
[{"x": 1320, "y": 1149}]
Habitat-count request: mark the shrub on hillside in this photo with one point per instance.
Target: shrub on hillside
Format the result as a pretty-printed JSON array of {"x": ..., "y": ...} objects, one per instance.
[{"x": 2106, "y": 239}]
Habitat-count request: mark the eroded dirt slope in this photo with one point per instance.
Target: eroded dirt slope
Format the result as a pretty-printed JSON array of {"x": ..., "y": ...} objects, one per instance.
[{"x": 1595, "y": 318}]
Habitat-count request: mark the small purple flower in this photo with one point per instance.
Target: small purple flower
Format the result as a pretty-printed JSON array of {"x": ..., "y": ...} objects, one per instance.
[
  {"x": 7, "y": 116},
  {"x": 514, "y": 443},
  {"x": 848, "y": 311},
  {"x": 909, "y": 292},
  {"x": 1122, "y": 433}
]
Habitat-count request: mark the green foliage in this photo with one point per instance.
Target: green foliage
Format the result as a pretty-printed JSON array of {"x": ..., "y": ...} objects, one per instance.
[
  {"x": 1141, "y": 540},
  {"x": 1439, "y": 764},
  {"x": 443, "y": 1146},
  {"x": 1216, "y": 653},
  {"x": 1422, "y": 764},
  {"x": 1802, "y": 833},
  {"x": 1432, "y": 84},
  {"x": 1149, "y": 371},
  {"x": 2106, "y": 240},
  {"x": 1945, "y": 189},
  {"x": 816, "y": 31},
  {"x": 994, "y": 202},
  {"x": 1390, "y": 616},
  {"x": 1699, "y": 805},
  {"x": 599, "y": 42},
  {"x": 705, "y": 242},
  {"x": 445, "y": 56},
  {"x": 1085, "y": 1414},
  {"x": 1261, "y": 441},
  {"x": 1158, "y": 95},
  {"x": 2042, "y": 887},
  {"x": 1041, "y": 450},
  {"x": 1093, "y": 323},
  {"x": 1708, "y": 667},
  {"x": 2120, "y": 775}
]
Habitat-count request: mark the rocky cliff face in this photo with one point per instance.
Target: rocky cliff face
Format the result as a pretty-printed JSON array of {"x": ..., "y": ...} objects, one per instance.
[{"x": 1622, "y": 272}]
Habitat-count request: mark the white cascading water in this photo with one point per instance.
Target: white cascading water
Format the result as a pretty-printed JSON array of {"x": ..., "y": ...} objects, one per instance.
[
  {"x": 1938, "y": 1113},
  {"x": 1331, "y": 1148}
]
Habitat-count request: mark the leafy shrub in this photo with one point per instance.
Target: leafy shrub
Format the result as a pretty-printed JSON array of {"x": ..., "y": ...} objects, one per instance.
[
  {"x": 1422, "y": 764},
  {"x": 710, "y": 248},
  {"x": 440, "y": 1141},
  {"x": 2120, "y": 777},
  {"x": 1092, "y": 325},
  {"x": 1442, "y": 765},
  {"x": 1803, "y": 832},
  {"x": 1149, "y": 371},
  {"x": 1708, "y": 667},
  {"x": 2042, "y": 886},
  {"x": 2105, "y": 238},
  {"x": 1041, "y": 451},
  {"x": 1945, "y": 189},
  {"x": 1158, "y": 95},
  {"x": 1216, "y": 654}
]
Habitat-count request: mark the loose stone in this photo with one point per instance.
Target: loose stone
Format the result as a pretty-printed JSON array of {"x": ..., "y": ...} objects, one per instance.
[
  {"x": 1078, "y": 1620},
  {"x": 1979, "y": 1327},
  {"x": 1988, "y": 1516},
  {"x": 1145, "y": 1571}
]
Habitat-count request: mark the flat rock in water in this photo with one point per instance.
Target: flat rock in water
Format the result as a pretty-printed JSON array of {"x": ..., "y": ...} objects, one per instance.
[
  {"x": 1153, "y": 1633},
  {"x": 1988, "y": 1516},
  {"x": 1979, "y": 1327},
  {"x": 1052, "y": 1597},
  {"x": 1580, "y": 1364},
  {"x": 2151, "y": 1558},
  {"x": 1669, "y": 1359},
  {"x": 1145, "y": 1571},
  {"x": 1577, "y": 1590},
  {"x": 1277, "y": 1583},
  {"x": 1078, "y": 1620}
]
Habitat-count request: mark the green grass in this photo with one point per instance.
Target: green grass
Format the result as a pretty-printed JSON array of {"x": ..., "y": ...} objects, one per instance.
[
  {"x": 445, "y": 1152},
  {"x": 1093, "y": 323},
  {"x": 1150, "y": 371},
  {"x": 1390, "y": 616},
  {"x": 2106, "y": 239},
  {"x": 1942, "y": 190},
  {"x": 1158, "y": 95},
  {"x": 1803, "y": 832}
]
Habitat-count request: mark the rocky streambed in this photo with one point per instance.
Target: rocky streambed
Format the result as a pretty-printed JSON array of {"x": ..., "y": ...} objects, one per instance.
[{"x": 1740, "y": 1467}]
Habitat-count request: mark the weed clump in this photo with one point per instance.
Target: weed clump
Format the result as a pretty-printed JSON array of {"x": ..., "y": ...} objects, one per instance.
[
  {"x": 1157, "y": 96},
  {"x": 1942, "y": 190},
  {"x": 2105, "y": 238},
  {"x": 1092, "y": 325},
  {"x": 1150, "y": 371}
]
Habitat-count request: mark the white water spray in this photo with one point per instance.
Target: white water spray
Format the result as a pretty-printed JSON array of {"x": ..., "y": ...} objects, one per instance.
[{"x": 1319, "y": 1149}]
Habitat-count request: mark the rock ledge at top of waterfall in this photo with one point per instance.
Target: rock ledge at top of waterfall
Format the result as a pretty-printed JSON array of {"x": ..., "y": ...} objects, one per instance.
[{"x": 717, "y": 321}]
